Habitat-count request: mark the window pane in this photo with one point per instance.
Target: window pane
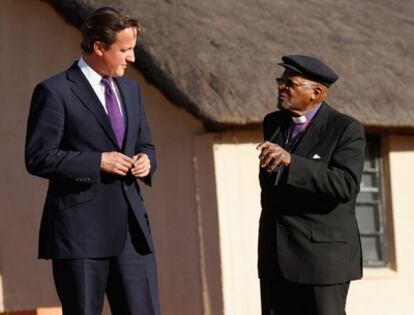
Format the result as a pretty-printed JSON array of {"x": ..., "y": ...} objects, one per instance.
[
  {"x": 369, "y": 180},
  {"x": 371, "y": 248},
  {"x": 367, "y": 217},
  {"x": 367, "y": 196},
  {"x": 371, "y": 154}
]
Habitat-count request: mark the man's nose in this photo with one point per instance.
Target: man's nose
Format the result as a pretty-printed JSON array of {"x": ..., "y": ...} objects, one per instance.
[
  {"x": 282, "y": 87},
  {"x": 131, "y": 56}
]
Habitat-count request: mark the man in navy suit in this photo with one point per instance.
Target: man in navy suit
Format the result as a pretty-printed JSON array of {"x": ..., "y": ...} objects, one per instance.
[
  {"x": 88, "y": 135},
  {"x": 311, "y": 166}
]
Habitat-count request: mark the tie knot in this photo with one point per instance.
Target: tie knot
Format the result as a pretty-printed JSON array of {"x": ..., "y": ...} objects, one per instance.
[{"x": 106, "y": 82}]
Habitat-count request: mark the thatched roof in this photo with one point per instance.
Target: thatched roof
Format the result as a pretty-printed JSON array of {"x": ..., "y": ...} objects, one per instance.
[{"x": 217, "y": 58}]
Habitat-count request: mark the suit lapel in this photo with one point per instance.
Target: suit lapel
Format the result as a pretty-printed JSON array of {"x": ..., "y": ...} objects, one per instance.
[
  {"x": 313, "y": 132},
  {"x": 279, "y": 130},
  {"x": 83, "y": 90}
]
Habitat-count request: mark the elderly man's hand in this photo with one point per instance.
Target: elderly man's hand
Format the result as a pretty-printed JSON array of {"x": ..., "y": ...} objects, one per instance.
[
  {"x": 272, "y": 156},
  {"x": 141, "y": 166}
]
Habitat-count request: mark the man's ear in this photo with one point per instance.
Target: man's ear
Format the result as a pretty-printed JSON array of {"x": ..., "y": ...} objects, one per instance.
[
  {"x": 98, "y": 48},
  {"x": 318, "y": 93}
]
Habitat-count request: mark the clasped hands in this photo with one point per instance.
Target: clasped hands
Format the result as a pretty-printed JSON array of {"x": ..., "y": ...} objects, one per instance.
[
  {"x": 273, "y": 155},
  {"x": 120, "y": 164}
]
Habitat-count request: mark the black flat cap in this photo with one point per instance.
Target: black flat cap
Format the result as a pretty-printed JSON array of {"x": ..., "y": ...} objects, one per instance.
[{"x": 311, "y": 68}]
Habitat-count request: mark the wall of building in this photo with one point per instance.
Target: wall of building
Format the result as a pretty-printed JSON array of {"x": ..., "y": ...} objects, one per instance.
[
  {"x": 35, "y": 43},
  {"x": 238, "y": 196},
  {"x": 227, "y": 192}
]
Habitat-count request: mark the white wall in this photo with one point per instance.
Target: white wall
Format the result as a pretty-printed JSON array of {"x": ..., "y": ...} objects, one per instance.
[
  {"x": 239, "y": 210},
  {"x": 229, "y": 209}
]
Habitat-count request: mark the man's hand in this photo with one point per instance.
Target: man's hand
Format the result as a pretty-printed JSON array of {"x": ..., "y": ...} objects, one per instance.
[
  {"x": 141, "y": 165},
  {"x": 116, "y": 163},
  {"x": 272, "y": 156}
]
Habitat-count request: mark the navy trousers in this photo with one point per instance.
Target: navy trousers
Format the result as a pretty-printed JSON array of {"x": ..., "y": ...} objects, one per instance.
[{"x": 128, "y": 280}]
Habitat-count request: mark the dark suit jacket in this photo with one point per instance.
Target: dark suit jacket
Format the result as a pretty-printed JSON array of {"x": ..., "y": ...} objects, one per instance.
[
  {"x": 308, "y": 229},
  {"x": 86, "y": 211}
]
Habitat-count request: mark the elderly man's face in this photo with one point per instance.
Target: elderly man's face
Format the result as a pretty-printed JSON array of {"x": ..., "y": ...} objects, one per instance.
[{"x": 296, "y": 94}]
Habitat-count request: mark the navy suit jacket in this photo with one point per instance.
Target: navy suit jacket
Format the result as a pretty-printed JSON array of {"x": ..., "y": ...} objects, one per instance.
[
  {"x": 86, "y": 211},
  {"x": 308, "y": 229}
]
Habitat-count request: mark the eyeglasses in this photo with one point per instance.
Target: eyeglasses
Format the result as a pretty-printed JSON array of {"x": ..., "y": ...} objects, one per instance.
[{"x": 289, "y": 84}]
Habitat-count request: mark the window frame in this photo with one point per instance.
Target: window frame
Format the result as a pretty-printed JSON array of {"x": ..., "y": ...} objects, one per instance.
[{"x": 381, "y": 231}]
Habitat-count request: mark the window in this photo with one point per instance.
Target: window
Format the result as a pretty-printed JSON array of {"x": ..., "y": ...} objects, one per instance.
[{"x": 370, "y": 210}]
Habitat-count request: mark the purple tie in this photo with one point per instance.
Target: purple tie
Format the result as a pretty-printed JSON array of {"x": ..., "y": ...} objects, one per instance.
[{"x": 114, "y": 112}]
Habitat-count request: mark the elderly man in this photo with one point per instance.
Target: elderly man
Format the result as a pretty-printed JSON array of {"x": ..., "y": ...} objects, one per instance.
[{"x": 311, "y": 165}]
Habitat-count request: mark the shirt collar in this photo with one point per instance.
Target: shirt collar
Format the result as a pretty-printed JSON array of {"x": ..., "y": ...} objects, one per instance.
[
  {"x": 307, "y": 117},
  {"x": 299, "y": 120},
  {"x": 92, "y": 76}
]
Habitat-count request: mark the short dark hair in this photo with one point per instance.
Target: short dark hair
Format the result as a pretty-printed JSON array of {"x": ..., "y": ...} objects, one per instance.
[{"x": 103, "y": 25}]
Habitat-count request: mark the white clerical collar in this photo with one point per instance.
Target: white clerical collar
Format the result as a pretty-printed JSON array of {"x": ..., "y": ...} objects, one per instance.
[{"x": 299, "y": 120}]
